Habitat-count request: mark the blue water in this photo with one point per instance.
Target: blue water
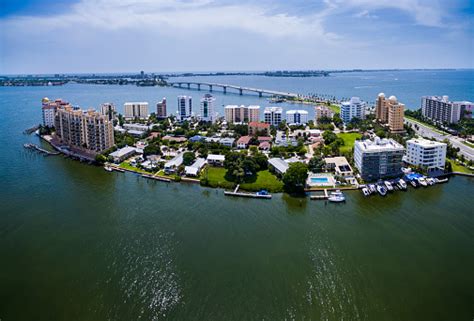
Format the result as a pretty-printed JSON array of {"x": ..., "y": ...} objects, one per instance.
[{"x": 319, "y": 180}]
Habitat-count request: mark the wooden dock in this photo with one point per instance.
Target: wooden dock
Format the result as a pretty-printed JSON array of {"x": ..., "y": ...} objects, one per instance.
[
  {"x": 158, "y": 178},
  {"x": 325, "y": 196},
  {"x": 39, "y": 149},
  {"x": 251, "y": 195}
]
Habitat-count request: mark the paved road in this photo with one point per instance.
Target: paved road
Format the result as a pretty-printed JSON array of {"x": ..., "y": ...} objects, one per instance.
[{"x": 426, "y": 131}]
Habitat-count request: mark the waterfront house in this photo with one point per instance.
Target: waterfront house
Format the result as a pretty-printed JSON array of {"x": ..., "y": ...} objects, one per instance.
[
  {"x": 195, "y": 168},
  {"x": 215, "y": 160},
  {"x": 279, "y": 165},
  {"x": 196, "y": 138},
  {"x": 340, "y": 165},
  {"x": 123, "y": 153},
  {"x": 174, "y": 163}
]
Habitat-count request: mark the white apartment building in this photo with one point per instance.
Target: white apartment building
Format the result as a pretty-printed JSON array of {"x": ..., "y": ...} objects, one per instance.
[
  {"x": 440, "y": 109},
  {"x": 351, "y": 109},
  {"x": 273, "y": 115},
  {"x": 207, "y": 108},
  {"x": 241, "y": 114},
  {"x": 136, "y": 109},
  {"x": 185, "y": 107},
  {"x": 425, "y": 153},
  {"x": 49, "y": 109},
  {"x": 296, "y": 117}
]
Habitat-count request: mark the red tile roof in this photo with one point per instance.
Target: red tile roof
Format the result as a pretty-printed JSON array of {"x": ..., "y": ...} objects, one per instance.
[
  {"x": 244, "y": 140},
  {"x": 259, "y": 125}
]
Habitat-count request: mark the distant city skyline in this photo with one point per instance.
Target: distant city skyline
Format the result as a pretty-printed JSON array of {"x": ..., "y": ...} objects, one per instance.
[{"x": 107, "y": 36}]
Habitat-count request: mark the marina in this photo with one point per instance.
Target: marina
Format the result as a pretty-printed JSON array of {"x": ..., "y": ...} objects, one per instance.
[{"x": 39, "y": 149}]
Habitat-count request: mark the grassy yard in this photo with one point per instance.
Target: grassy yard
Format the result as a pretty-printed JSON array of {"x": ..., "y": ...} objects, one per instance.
[
  {"x": 459, "y": 168},
  {"x": 126, "y": 165},
  {"x": 349, "y": 140},
  {"x": 335, "y": 108},
  {"x": 263, "y": 180}
]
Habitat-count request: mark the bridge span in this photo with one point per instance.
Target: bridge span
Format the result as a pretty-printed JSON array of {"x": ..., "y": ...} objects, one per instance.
[{"x": 224, "y": 87}]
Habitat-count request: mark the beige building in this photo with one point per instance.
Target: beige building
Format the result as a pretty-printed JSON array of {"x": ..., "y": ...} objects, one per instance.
[
  {"x": 322, "y": 111},
  {"x": 242, "y": 114},
  {"x": 136, "y": 109},
  {"x": 391, "y": 112},
  {"x": 161, "y": 109},
  {"x": 88, "y": 130}
]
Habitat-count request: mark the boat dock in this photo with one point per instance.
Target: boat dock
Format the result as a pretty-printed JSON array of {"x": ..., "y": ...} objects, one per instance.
[
  {"x": 241, "y": 194},
  {"x": 325, "y": 196},
  {"x": 158, "y": 178},
  {"x": 39, "y": 149},
  {"x": 31, "y": 130}
]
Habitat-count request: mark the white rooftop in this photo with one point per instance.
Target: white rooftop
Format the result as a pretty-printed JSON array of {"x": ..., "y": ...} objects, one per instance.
[
  {"x": 137, "y": 103},
  {"x": 123, "y": 151},
  {"x": 297, "y": 111},
  {"x": 425, "y": 142},
  {"x": 279, "y": 164},
  {"x": 215, "y": 157},
  {"x": 378, "y": 145}
]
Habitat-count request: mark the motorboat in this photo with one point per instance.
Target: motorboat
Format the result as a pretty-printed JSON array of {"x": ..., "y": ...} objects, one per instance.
[
  {"x": 336, "y": 197},
  {"x": 108, "y": 168},
  {"x": 372, "y": 188},
  {"x": 365, "y": 191},
  {"x": 382, "y": 190},
  {"x": 442, "y": 180},
  {"x": 414, "y": 183},
  {"x": 388, "y": 185},
  {"x": 402, "y": 184},
  {"x": 422, "y": 182},
  {"x": 430, "y": 181}
]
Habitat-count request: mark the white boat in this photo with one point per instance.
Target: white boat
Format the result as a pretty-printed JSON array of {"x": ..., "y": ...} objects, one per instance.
[
  {"x": 422, "y": 182},
  {"x": 365, "y": 191},
  {"x": 389, "y": 186},
  {"x": 430, "y": 181},
  {"x": 382, "y": 190},
  {"x": 442, "y": 180},
  {"x": 108, "y": 168},
  {"x": 336, "y": 197},
  {"x": 372, "y": 188},
  {"x": 402, "y": 184}
]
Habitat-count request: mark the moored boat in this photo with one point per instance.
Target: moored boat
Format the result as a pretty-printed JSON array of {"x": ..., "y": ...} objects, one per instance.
[
  {"x": 414, "y": 183},
  {"x": 430, "y": 181},
  {"x": 108, "y": 168},
  {"x": 372, "y": 188},
  {"x": 422, "y": 182},
  {"x": 388, "y": 185},
  {"x": 402, "y": 184},
  {"x": 336, "y": 197},
  {"x": 365, "y": 191},
  {"x": 382, "y": 190}
]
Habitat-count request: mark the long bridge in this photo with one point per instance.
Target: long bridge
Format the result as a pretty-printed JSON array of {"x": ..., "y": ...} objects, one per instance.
[{"x": 224, "y": 87}]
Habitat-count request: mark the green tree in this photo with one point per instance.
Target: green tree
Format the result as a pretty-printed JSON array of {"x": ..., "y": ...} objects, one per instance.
[
  {"x": 100, "y": 159},
  {"x": 316, "y": 164},
  {"x": 295, "y": 177},
  {"x": 329, "y": 137},
  {"x": 188, "y": 158}
]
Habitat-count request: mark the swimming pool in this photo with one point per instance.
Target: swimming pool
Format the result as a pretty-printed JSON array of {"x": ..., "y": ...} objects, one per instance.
[{"x": 323, "y": 180}]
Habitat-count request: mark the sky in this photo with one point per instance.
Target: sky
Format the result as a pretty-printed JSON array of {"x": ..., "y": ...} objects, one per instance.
[{"x": 85, "y": 36}]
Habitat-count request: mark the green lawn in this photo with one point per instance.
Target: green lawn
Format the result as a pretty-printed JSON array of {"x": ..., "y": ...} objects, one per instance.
[
  {"x": 349, "y": 140},
  {"x": 468, "y": 144},
  {"x": 264, "y": 180},
  {"x": 459, "y": 168},
  {"x": 335, "y": 108},
  {"x": 126, "y": 165}
]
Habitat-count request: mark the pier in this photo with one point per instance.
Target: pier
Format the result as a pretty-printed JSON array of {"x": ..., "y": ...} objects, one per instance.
[
  {"x": 240, "y": 89},
  {"x": 251, "y": 195},
  {"x": 325, "y": 196},
  {"x": 39, "y": 149},
  {"x": 31, "y": 130}
]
